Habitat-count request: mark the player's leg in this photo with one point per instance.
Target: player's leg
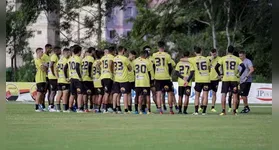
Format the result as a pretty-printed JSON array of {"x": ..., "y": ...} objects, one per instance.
[
  {"x": 234, "y": 86},
  {"x": 125, "y": 89},
  {"x": 115, "y": 93},
  {"x": 40, "y": 91},
  {"x": 153, "y": 91},
  {"x": 186, "y": 100},
  {"x": 159, "y": 87},
  {"x": 100, "y": 97},
  {"x": 146, "y": 93},
  {"x": 59, "y": 97},
  {"x": 181, "y": 91},
  {"x": 224, "y": 91},
  {"x": 139, "y": 92},
  {"x": 53, "y": 84},
  {"x": 230, "y": 101},
  {"x": 80, "y": 91},
  {"x": 206, "y": 88},
  {"x": 169, "y": 89},
  {"x": 85, "y": 95},
  {"x": 198, "y": 89},
  {"x": 65, "y": 98},
  {"x": 129, "y": 95},
  {"x": 244, "y": 92},
  {"x": 214, "y": 88},
  {"x": 163, "y": 100}
]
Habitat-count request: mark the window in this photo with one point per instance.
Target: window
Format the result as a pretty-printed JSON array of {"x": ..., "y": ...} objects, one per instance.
[
  {"x": 112, "y": 34},
  {"x": 129, "y": 11},
  {"x": 39, "y": 32}
]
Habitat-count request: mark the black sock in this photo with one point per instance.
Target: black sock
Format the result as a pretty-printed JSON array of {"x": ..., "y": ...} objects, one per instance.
[
  {"x": 171, "y": 109},
  {"x": 234, "y": 111},
  {"x": 86, "y": 106},
  {"x": 202, "y": 106},
  {"x": 58, "y": 107},
  {"x": 247, "y": 107},
  {"x": 180, "y": 108},
  {"x": 143, "y": 108},
  {"x": 223, "y": 111},
  {"x": 118, "y": 108},
  {"x": 65, "y": 106},
  {"x": 149, "y": 110},
  {"x": 126, "y": 110},
  {"x": 91, "y": 106},
  {"x": 204, "y": 109},
  {"x": 105, "y": 107},
  {"x": 43, "y": 105},
  {"x": 156, "y": 106},
  {"x": 130, "y": 108},
  {"x": 185, "y": 108},
  {"x": 36, "y": 106},
  {"x": 136, "y": 107},
  {"x": 197, "y": 108},
  {"x": 212, "y": 107},
  {"x": 114, "y": 109},
  {"x": 176, "y": 107},
  {"x": 165, "y": 108},
  {"x": 230, "y": 102}
]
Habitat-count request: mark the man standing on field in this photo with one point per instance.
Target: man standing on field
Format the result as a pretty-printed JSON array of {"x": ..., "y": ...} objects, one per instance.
[
  {"x": 163, "y": 69},
  {"x": 245, "y": 80}
]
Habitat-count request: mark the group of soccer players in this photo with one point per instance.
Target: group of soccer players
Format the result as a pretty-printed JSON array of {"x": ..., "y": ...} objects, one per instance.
[{"x": 100, "y": 78}]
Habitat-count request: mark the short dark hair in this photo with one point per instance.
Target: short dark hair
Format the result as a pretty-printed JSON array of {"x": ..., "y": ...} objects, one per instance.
[
  {"x": 77, "y": 49},
  {"x": 48, "y": 45},
  {"x": 99, "y": 54},
  {"x": 230, "y": 49},
  {"x": 66, "y": 50},
  {"x": 57, "y": 48},
  {"x": 90, "y": 50},
  {"x": 111, "y": 49},
  {"x": 242, "y": 52},
  {"x": 146, "y": 47},
  {"x": 133, "y": 52},
  {"x": 213, "y": 50},
  {"x": 186, "y": 54},
  {"x": 197, "y": 49},
  {"x": 144, "y": 53},
  {"x": 161, "y": 44},
  {"x": 120, "y": 48},
  {"x": 39, "y": 49}
]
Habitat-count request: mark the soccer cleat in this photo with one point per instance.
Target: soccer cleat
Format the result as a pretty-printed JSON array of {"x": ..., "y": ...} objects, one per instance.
[
  {"x": 222, "y": 114},
  {"x": 44, "y": 109},
  {"x": 119, "y": 112},
  {"x": 136, "y": 112},
  {"x": 86, "y": 110},
  {"x": 230, "y": 110},
  {"x": 235, "y": 114},
  {"x": 245, "y": 111},
  {"x": 195, "y": 113},
  {"x": 176, "y": 108},
  {"x": 213, "y": 110},
  {"x": 236, "y": 110},
  {"x": 171, "y": 112},
  {"x": 52, "y": 110},
  {"x": 149, "y": 113},
  {"x": 203, "y": 114},
  {"x": 161, "y": 113},
  {"x": 66, "y": 111},
  {"x": 129, "y": 112},
  {"x": 80, "y": 111},
  {"x": 110, "y": 110},
  {"x": 200, "y": 110},
  {"x": 58, "y": 110},
  {"x": 38, "y": 110},
  {"x": 185, "y": 113},
  {"x": 179, "y": 112},
  {"x": 140, "y": 113},
  {"x": 105, "y": 112},
  {"x": 114, "y": 112}
]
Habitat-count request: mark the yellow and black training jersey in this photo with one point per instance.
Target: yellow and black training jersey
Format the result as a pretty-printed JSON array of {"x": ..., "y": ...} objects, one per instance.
[{"x": 142, "y": 68}]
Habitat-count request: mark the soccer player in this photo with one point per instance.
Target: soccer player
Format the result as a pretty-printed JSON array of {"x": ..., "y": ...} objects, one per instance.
[
  {"x": 131, "y": 76},
  {"x": 107, "y": 75},
  {"x": 172, "y": 92},
  {"x": 214, "y": 80},
  {"x": 202, "y": 78},
  {"x": 185, "y": 72},
  {"x": 52, "y": 76},
  {"x": 163, "y": 69},
  {"x": 245, "y": 80},
  {"x": 121, "y": 81},
  {"x": 46, "y": 61},
  {"x": 40, "y": 78},
  {"x": 229, "y": 77},
  {"x": 76, "y": 79},
  {"x": 143, "y": 69},
  {"x": 98, "y": 89},
  {"x": 88, "y": 87},
  {"x": 63, "y": 81}
]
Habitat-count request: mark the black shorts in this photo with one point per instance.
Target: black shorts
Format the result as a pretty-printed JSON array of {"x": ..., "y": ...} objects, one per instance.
[
  {"x": 163, "y": 85},
  {"x": 41, "y": 87},
  {"x": 63, "y": 87},
  {"x": 119, "y": 88},
  {"x": 245, "y": 88},
  {"x": 229, "y": 86},
  {"x": 202, "y": 87},
  {"x": 182, "y": 90},
  {"x": 214, "y": 85},
  {"x": 107, "y": 85},
  {"x": 76, "y": 87},
  {"x": 140, "y": 91},
  {"x": 53, "y": 84},
  {"x": 132, "y": 85},
  {"x": 98, "y": 91},
  {"x": 88, "y": 87}
]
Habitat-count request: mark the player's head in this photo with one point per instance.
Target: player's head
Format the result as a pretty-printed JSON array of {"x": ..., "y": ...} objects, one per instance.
[
  {"x": 111, "y": 50},
  {"x": 198, "y": 50},
  {"x": 186, "y": 54},
  {"x": 132, "y": 55},
  {"x": 144, "y": 54},
  {"x": 161, "y": 45},
  {"x": 39, "y": 52},
  {"x": 106, "y": 51},
  {"x": 57, "y": 50},
  {"x": 148, "y": 49},
  {"x": 99, "y": 54},
  {"x": 48, "y": 48},
  {"x": 242, "y": 55},
  {"x": 230, "y": 49},
  {"x": 77, "y": 50},
  {"x": 213, "y": 52},
  {"x": 121, "y": 50},
  {"x": 66, "y": 52},
  {"x": 90, "y": 51}
]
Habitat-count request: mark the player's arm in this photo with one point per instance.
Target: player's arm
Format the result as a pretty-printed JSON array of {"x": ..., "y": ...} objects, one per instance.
[
  {"x": 150, "y": 72},
  {"x": 65, "y": 70},
  {"x": 169, "y": 65},
  {"x": 78, "y": 70},
  {"x": 110, "y": 63},
  {"x": 52, "y": 68},
  {"x": 217, "y": 69},
  {"x": 90, "y": 69},
  {"x": 251, "y": 68}
]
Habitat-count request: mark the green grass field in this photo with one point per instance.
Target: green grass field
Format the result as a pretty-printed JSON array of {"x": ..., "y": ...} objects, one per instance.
[{"x": 27, "y": 130}]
